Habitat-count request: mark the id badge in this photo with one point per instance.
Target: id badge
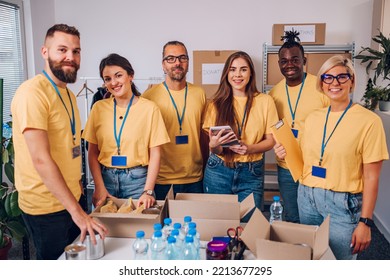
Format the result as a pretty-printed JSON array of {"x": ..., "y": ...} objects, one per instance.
[
  {"x": 295, "y": 132},
  {"x": 119, "y": 160},
  {"x": 318, "y": 171},
  {"x": 181, "y": 139},
  {"x": 76, "y": 151}
]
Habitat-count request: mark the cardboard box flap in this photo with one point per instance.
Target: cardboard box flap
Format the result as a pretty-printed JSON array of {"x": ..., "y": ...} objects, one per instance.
[
  {"x": 170, "y": 194},
  {"x": 257, "y": 227},
  {"x": 273, "y": 250},
  {"x": 247, "y": 205},
  {"x": 199, "y": 209},
  {"x": 207, "y": 197},
  {"x": 321, "y": 243},
  {"x": 293, "y": 233}
]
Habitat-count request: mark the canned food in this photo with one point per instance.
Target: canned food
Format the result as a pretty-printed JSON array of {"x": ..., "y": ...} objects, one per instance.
[
  {"x": 217, "y": 250},
  {"x": 76, "y": 252}
]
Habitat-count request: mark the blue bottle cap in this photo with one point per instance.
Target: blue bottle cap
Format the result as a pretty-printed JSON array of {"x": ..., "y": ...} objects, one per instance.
[
  {"x": 177, "y": 226},
  {"x": 192, "y": 225},
  {"x": 187, "y": 219},
  {"x": 171, "y": 239},
  {"x": 192, "y": 232},
  {"x": 167, "y": 221},
  {"x": 276, "y": 198},
  {"x": 189, "y": 239},
  {"x": 157, "y": 233},
  {"x": 175, "y": 232},
  {"x": 140, "y": 233},
  {"x": 157, "y": 226}
]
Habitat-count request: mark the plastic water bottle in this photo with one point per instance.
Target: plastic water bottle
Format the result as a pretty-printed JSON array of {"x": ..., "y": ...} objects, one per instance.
[
  {"x": 157, "y": 227},
  {"x": 140, "y": 246},
  {"x": 171, "y": 252},
  {"x": 193, "y": 225},
  {"x": 167, "y": 228},
  {"x": 192, "y": 232},
  {"x": 189, "y": 252},
  {"x": 7, "y": 131},
  {"x": 179, "y": 242},
  {"x": 182, "y": 235},
  {"x": 158, "y": 246},
  {"x": 276, "y": 210},
  {"x": 187, "y": 220}
]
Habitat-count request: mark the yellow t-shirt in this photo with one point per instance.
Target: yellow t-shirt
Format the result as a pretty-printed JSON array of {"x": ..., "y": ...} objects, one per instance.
[
  {"x": 310, "y": 100},
  {"x": 183, "y": 163},
  {"x": 37, "y": 105},
  {"x": 260, "y": 119},
  {"x": 144, "y": 128},
  {"x": 359, "y": 138}
]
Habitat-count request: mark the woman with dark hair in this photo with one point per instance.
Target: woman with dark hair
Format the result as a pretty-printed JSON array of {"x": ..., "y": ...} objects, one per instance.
[
  {"x": 124, "y": 133},
  {"x": 239, "y": 169}
]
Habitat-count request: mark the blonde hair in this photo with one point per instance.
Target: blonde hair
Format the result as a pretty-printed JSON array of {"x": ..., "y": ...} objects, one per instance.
[{"x": 336, "y": 60}]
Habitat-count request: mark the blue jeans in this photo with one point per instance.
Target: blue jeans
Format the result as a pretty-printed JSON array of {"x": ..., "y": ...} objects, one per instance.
[
  {"x": 162, "y": 190},
  {"x": 243, "y": 179},
  {"x": 289, "y": 191},
  {"x": 51, "y": 233},
  {"x": 344, "y": 209},
  {"x": 126, "y": 182}
]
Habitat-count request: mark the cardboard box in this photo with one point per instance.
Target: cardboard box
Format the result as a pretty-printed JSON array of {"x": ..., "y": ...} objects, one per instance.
[
  {"x": 310, "y": 33},
  {"x": 212, "y": 213},
  {"x": 127, "y": 224},
  {"x": 284, "y": 240},
  {"x": 208, "y": 67}
]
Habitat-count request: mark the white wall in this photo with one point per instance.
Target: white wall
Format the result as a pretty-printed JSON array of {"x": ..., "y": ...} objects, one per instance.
[{"x": 138, "y": 29}]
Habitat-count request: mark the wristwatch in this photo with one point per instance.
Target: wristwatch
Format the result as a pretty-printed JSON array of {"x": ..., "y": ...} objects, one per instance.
[
  {"x": 150, "y": 192},
  {"x": 367, "y": 221}
]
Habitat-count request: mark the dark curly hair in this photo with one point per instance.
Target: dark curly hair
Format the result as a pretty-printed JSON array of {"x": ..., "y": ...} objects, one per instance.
[{"x": 291, "y": 40}]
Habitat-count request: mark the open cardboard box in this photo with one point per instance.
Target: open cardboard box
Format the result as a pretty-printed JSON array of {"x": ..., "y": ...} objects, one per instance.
[
  {"x": 212, "y": 213},
  {"x": 127, "y": 224},
  {"x": 284, "y": 240}
]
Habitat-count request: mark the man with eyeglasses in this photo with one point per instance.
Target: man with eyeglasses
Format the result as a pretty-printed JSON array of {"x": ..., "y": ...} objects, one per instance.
[
  {"x": 181, "y": 104},
  {"x": 295, "y": 97}
]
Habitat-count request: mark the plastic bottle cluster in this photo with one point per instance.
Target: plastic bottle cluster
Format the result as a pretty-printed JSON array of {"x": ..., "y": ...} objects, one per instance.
[{"x": 170, "y": 242}]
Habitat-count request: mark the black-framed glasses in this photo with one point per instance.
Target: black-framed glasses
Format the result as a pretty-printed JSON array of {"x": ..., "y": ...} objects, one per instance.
[
  {"x": 341, "y": 78},
  {"x": 172, "y": 59}
]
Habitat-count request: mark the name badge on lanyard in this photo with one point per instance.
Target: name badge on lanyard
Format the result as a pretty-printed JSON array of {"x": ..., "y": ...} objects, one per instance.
[
  {"x": 295, "y": 132},
  {"x": 179, "y": 139},
  {"x": 76, "y": 151},
  {"x": 318, "y": 171},
  {"x": 119, "y": 160}
]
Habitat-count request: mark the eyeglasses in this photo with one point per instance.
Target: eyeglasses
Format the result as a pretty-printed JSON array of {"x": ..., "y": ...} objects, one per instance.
[
  {"x": 172, "y": 59},
  {"x": 341, "y": 78}
]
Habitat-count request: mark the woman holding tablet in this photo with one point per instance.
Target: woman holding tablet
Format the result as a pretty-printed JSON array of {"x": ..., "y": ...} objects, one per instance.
[{"x": 238, "y": 168}]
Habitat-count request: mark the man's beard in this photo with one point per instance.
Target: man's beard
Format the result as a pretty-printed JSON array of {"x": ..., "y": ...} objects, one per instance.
[
  {"x": 179, "y": 76},
  {"x": 66, "y": 77}
]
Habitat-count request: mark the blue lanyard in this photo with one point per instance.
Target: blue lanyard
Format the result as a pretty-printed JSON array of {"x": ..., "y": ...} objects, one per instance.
[
  {"x": 296, "y": 103},
  {"x": 240, "y": 128},
  {"x": 180, "y": 119},
  {"x": 118, "y": 137},
  {"x": 324, "y": 143},
  {"x": 71, "y": 119}
]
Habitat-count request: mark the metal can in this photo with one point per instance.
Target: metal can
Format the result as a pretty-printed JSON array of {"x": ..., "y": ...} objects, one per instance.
[
  {"x": 76, "y": 251},
  {"x": 217, "y": 250}
]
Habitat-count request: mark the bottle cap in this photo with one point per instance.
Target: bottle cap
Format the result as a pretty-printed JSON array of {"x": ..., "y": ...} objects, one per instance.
[
  {"x": 187, "y": 219},
  {"x": 175, "y": 232},
  {"x": 171, "y": 239},
  {"x": 140, "y": 233},
  {"x": 157, "y": 226},
  {"x": 192, "y": 225},
  {"x": 177, "y": 226},
  {"x": 192, "y": 232},
  {"x": 189, "y": 239},
  {"x": 276, "y": 198},
  {"x": 157, "y": 233},
  {"x": 167, "y": 221}
]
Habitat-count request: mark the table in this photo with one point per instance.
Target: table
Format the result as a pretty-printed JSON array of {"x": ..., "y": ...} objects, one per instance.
[{"x": 121, "y": 249}]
